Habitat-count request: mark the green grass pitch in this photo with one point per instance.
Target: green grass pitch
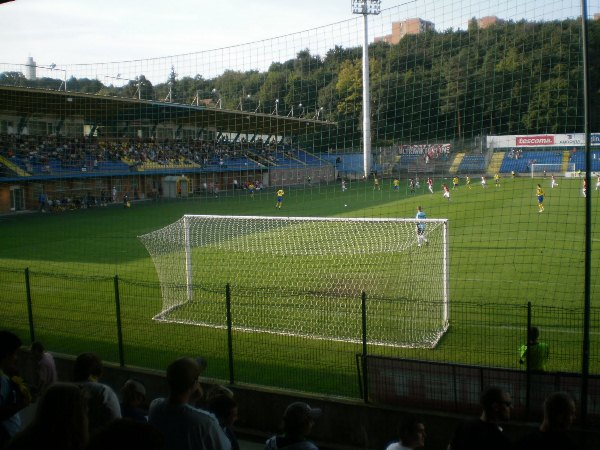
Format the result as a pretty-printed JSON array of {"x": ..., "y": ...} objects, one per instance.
[{"x": 503, "y": 253}]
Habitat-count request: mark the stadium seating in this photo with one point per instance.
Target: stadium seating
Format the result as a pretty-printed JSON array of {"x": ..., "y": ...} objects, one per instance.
[
  {"x": 523, "y": 163},
  {"x": 578, "y": 159},
  {"x": 472, "y": 164}
]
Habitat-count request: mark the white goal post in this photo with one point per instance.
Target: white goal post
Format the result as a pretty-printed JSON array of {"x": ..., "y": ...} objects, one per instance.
[
  {"x": 305, "y": 276},
  {"x": 538, "y": 170}
]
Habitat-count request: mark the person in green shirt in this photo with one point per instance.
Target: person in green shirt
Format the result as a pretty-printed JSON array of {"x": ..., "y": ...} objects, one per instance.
[{"x": 534, "y": 353}]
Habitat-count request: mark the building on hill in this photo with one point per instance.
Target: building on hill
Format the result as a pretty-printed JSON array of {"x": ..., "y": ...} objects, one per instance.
[
  {"x": 488, "y": 21},
  {"x": 408, "y": 26}
]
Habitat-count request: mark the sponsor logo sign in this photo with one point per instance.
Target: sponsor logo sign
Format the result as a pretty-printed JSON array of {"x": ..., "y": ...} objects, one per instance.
[{"x": 535, "y": 141}]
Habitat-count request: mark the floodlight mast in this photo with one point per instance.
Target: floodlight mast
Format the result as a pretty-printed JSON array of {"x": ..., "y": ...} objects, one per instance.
[{"x": 366, "y": 8}]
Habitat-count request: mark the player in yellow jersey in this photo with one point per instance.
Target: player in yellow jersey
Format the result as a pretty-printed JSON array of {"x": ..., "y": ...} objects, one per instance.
[
  {"x": 454, "y": 183},
  {"x": 468, "y": 181},
  {"x": 280, "y": 194},
  {"x": 396, "y": 184},
  {"x": 497, "y": 180},
  {"x": 540, "y": 197}
]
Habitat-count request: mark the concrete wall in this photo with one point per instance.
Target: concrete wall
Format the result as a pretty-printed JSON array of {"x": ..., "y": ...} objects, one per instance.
[{"x": 346, "y": 424}]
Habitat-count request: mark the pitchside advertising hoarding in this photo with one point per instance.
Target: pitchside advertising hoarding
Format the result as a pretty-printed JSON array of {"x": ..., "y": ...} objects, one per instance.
[{"x": 541, "y": 140}]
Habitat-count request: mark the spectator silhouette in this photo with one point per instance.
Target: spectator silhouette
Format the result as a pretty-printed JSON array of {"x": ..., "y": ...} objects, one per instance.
[
  {"x": 184, "y": 426},
  {"x": 45, "y": 369},
  {"x": 60, "y": 421},
  {"x": 224, "y": 407},
  {"x": 411, "y": 433},
  {"x": 559, "y": 414},
  {"x": 298, "y": 420},
  {"x": 12, "y": 397},
  {"x": 485, "y": 432},
  {"x": 133, "y": 401},
  {"x": 102, "y": 401},
  {"x": 534, "y": 354}
]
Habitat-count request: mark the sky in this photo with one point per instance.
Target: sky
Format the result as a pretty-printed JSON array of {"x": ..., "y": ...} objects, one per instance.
[{"x": 93, "y": 31}]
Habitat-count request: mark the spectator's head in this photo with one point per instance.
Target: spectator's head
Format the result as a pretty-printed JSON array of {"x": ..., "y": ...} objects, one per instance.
[
  {"x": 534, "y": 334},
  {"x": 133, "y": 393},
  {"x": 496, "y": 404},
  {"x": 299, "y": 418},
  {"x": 224, "y": 408},
  {"x": 412, "y": 433},
  {"x": 559, "y": 412},
  {"x": 37, "y": 349},
  {"x": 88, "y": 367},
  {"x": 9, "y": 344},
  {"x": 218, "y": 390},
  {"x": 182, "y": 376},
  {"x": 62, "y": 415},
  {"x": 127, "y": 434}
]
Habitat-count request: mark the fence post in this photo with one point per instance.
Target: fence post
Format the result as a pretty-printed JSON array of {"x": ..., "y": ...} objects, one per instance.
[
  {"x": 528, "y": 363},
  {"x": 229, "y": 332},
  {"x": 119, "y": 326},
  {"x": 364, "y": 347},
  {"x": 29, "y": 305}
]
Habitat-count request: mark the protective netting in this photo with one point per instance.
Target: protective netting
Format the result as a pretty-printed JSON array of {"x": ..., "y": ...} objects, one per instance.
[{"x": 305, "y": 276}]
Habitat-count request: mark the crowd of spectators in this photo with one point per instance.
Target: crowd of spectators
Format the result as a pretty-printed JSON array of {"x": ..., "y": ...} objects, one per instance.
[
  {"x": 85, "y": 414},
  {"x": 45, "y": 154},
  {"x": 515, "y": 153}
]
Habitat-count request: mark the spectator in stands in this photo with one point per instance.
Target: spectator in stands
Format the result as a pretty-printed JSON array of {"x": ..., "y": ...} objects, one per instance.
[
  {"x": 411, "y": 433},
  {"x": 133, "y": 401},
  {"x": 298, "y": 420},
  {"x": 184, "y": 426},
  {"x": 12, "y": 398},
  {"x": 224, "y": 407},
  {"x": 534, "y": 355},
  {"x": 102, "y": 401},
  {"x": 45, "y": 369},
  {"x": 559, "y": 414},
  {"x": 60, "y": 421},
  {"x": 127, "y": 434},
  {"x": 485, "y": 432}
]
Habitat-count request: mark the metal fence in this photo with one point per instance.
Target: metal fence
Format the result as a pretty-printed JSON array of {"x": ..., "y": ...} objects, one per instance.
[{"x": 113, "y": 317}]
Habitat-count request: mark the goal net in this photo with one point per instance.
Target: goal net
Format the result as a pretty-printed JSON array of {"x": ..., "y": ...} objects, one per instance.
[
  {"x": 538, "y": 170},
  {"x": 305, "y": 276}
]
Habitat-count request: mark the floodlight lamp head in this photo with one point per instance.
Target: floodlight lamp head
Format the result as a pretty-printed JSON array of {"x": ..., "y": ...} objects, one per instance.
[{"x": 366, "y": 7}]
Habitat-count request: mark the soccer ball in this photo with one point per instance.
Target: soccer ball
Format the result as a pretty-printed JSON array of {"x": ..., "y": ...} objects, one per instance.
[{"x": 345, "y": 206}]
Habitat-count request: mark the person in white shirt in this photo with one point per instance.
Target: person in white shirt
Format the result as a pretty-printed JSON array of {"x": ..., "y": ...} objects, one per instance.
[{"x": 412, "y": 435}]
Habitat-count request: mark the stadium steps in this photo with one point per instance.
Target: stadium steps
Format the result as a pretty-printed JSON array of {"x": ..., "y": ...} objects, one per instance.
[
  {"x": 496, "y": 162},
  {"x": 566, "y": 157},
  {"x": 456, "y": 163},
  {"x": 12, "y": 166}
]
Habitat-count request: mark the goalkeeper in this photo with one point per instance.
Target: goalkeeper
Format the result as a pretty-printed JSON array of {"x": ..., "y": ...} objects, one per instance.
[
  {"x": 535, "y": 354},
  {"x": 421, "y": 227}
]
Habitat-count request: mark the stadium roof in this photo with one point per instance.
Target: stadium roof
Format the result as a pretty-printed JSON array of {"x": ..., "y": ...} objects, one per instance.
[{"x": 105, "y": 110}]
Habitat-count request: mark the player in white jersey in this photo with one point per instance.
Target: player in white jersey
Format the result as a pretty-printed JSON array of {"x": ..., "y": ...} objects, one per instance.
[
  {"x": 430, "y": 184},
  {"x": 446, "y": 191},
  {"x": 553, "y": 182},
  {"x": 598, "y": 183},
  {"x": 483, "y": 181}
]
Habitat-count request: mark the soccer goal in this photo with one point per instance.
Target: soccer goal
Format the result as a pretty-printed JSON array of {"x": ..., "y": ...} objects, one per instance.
[
  {"x": 538, "y": 170},
  {"x": 305, "y": 276}
]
